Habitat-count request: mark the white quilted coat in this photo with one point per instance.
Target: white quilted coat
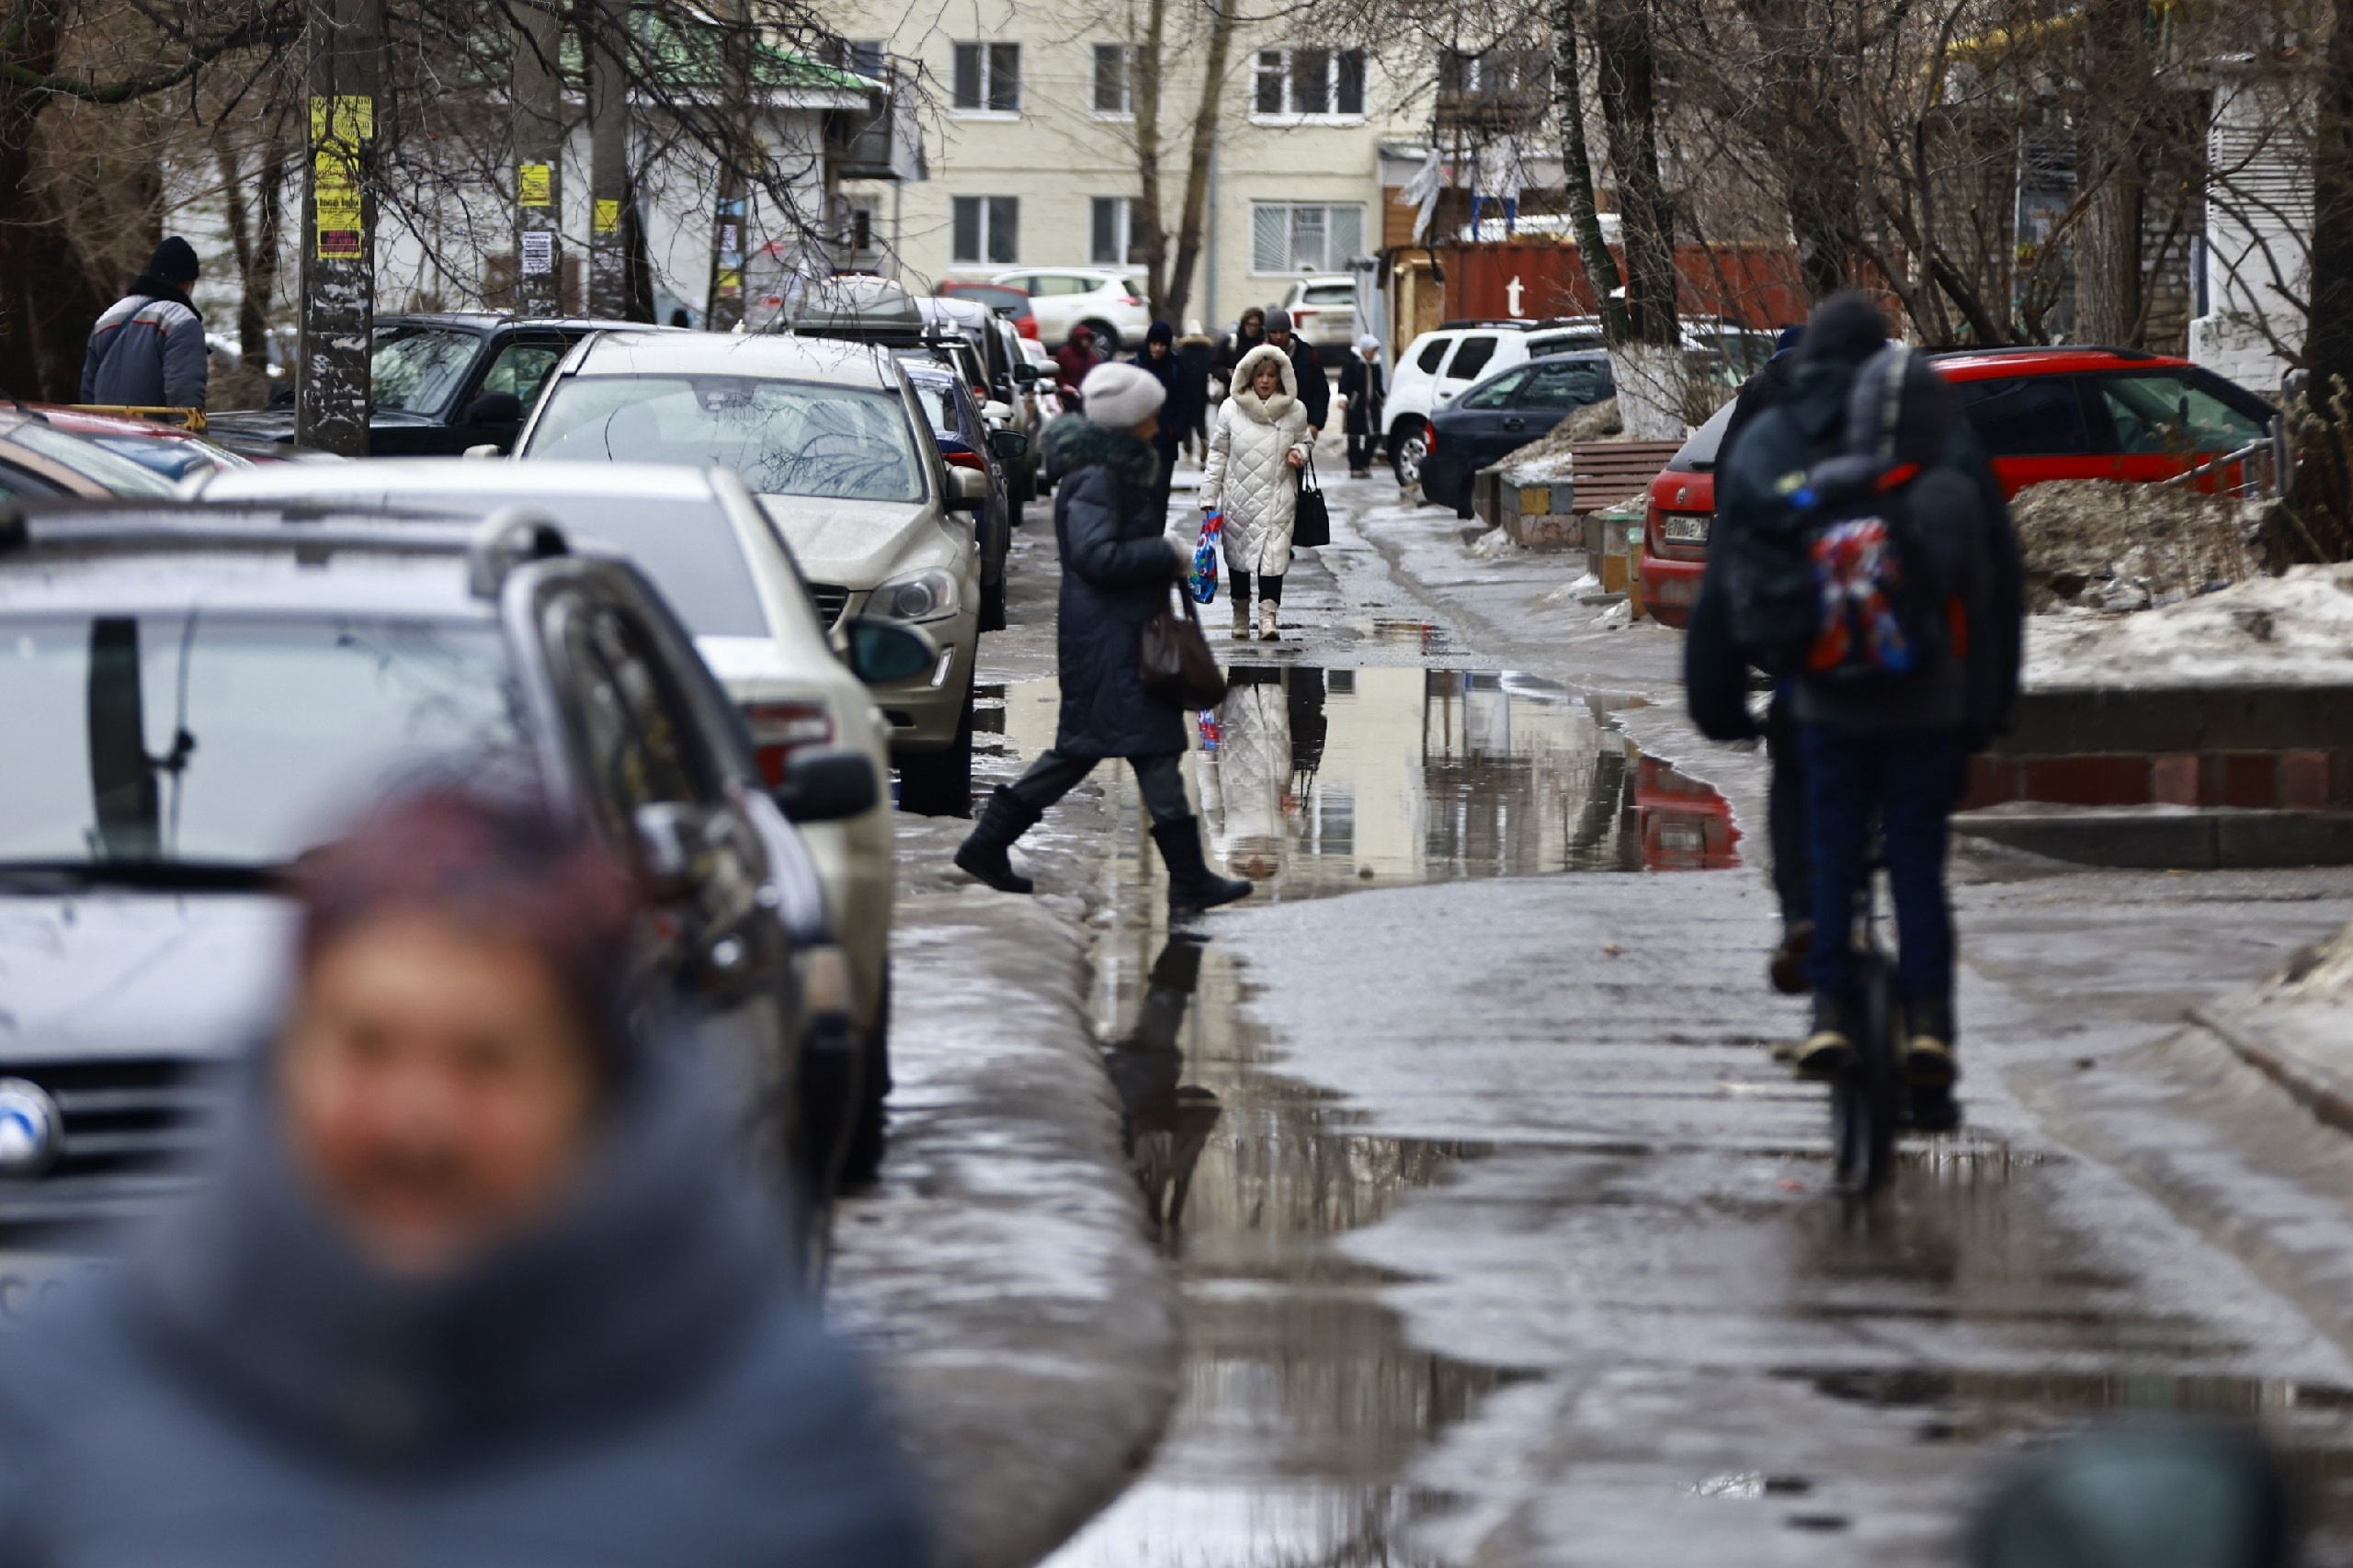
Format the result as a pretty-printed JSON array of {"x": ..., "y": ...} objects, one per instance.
[{"x": 1246, "y": 477}]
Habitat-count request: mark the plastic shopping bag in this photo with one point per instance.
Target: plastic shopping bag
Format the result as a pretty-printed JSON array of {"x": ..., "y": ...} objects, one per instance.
[{"x": 1204, "y": 579}]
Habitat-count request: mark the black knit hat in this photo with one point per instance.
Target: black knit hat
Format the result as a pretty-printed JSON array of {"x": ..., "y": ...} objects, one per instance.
[
  {"x": 1848, "y": 326},
  {"x": 175, "y": 260},
  {"x": 1160, "y": 332}
]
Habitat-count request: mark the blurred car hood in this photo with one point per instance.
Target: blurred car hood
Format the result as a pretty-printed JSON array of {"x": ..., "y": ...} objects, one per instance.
[
  {"x": 278, "y": 423},
  {"x": 855, "y": 544},
  {"x": 120, "y": 973}
]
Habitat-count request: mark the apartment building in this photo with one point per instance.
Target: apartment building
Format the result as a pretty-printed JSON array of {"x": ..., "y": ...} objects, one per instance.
[{"x": 1029, "y": 143}]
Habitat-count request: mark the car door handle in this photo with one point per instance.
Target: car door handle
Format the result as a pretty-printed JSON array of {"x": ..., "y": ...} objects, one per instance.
[
  {"x": 1515, "y": 423},
  {"x": 1445, "y": 397}
]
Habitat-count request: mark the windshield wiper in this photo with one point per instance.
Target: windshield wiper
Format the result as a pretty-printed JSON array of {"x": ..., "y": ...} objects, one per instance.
[{"x": 166, "y": 876}]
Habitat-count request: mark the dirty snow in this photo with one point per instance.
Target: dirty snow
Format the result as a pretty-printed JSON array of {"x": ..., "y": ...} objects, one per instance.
[
  {"x": 2296, "y": 628},
  {"x": 2100, "y": 545},
  {"x": 1493, "y": 544}
]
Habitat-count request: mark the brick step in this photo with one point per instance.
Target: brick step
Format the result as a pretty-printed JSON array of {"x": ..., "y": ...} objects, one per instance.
[{"x": 2156, "y": 840}]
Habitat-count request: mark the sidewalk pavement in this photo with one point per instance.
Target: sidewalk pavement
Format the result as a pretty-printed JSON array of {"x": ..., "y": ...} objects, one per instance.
[{"x": 1001, "y": 1272}]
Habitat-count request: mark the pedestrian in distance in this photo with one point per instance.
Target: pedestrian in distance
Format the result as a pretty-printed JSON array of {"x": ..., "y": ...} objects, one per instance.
[
  {"x": 147, "y": 350},
  {"x": 1363, "y": 389},
  {"x": 1158, "y": 359},
  {"x": 1195, "y": 351},
  {"x": 1857, "y": 504},
  {"x": 1072, "y": 361},
  {"x": 1248, "y": 333},
  {"x": 1120, "y": 566},
  {"x": 1307, "y": 366},
  {"x": 1256, "y": 449},
  {"x": 483, "y": 1277}
]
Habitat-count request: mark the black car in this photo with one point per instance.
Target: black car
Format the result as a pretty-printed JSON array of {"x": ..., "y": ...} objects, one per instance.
[
  {"x": 965, "y": 441},
  {"x": 443, "y": 383},
  {"x": 1504, "y": 413},
  {"x": 198, "y": 696}
]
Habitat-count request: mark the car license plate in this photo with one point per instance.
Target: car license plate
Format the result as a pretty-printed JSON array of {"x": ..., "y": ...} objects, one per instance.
[
  {"x": 1686, "y": 531},
  {"x": 27, "y": 1277}
]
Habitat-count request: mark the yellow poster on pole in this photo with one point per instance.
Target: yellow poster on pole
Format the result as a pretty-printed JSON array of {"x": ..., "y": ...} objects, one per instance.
[
  {"x": 608, "y": 216},
  {"x": 344, "y": 120},
  {"x": 335, "y": 207},
  {"x": 537, "y": 184}
]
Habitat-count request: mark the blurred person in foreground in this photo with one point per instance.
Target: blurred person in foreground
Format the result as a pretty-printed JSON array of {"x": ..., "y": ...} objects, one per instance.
[{"x": 482, "y": 1280}]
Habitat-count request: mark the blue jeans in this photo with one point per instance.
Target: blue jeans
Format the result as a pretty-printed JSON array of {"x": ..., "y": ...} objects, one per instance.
[{"x": 1909, "y": 778}]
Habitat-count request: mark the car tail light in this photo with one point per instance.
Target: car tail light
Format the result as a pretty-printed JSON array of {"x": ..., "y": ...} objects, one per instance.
[
  {"x": 1027, "y": 326},
  {"x": 1129, "y": 300},
  {"x": 1429, "y": 440},
  {"x": 780, "y": 729},
  {"x": 1651, "y": 532}
]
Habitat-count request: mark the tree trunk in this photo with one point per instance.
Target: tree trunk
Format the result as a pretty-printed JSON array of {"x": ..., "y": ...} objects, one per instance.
[
  {"x": 2322, "y": 483},
  {"x": 49, "y": 294},
  {"x": 608, "y": 27},
  {"x": 1197, "y": 166},
  {"x": 728, "y": 240},
  {"x": 1647, "y": 357},
  {"x": 539, "y": 158},
  {"x": 1143, "y": 85},
  {"x": 332, "y": 392},
  {"x": 1576, "y": 161},
  {"x": 2112, "y": 157}
]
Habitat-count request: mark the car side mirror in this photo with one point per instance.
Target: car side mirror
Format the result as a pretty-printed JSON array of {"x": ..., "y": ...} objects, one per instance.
[
  {"x": 968, "y": 490},
  {"x": 997, "y": 412},
  {"x": 1026, "y": 373},
  {"x": 488, "y": 451},
  {"x": 495, "y": 408},
  {"x": 883, "y": 652},
  {"x": 828, "y": 785},
  {"x": 1010, "y": 445}
]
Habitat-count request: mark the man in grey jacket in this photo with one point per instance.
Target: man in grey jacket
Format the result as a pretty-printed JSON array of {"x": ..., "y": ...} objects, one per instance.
[{"x": 148, "y": 349}]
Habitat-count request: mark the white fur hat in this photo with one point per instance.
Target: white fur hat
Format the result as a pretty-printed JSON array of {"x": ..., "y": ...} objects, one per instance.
[
  {"x": 1120, "y": 397},
  {"x": 1367, "y": 343}
]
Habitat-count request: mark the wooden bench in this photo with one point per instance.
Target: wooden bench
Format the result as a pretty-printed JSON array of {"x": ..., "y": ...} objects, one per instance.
[{"x": 1603, "y": 473}]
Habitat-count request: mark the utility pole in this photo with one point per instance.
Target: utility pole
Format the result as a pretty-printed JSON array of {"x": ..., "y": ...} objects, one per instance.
[
  {"x": 331, "y": 395},
  {"x": 539, "y": 158},
  {"x": 609, "y": 184},
  {"x": 727, "y": 229}
]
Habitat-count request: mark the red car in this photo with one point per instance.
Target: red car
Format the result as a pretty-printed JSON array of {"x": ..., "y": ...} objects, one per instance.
[
  {"x": 2042, "y": 414},
  {"x": 1004, "y": 299}
]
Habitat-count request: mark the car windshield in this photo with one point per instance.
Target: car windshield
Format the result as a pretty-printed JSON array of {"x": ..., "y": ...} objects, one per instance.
[
  {"x": 416, "y": 369},
  {"x": 784, "y": 438},
  {"x": 995, "y": 298},
  {"x": 1330, "y": 294},
  {"x": 92, "y": 461},
  {"x": 201, "y": 740}
]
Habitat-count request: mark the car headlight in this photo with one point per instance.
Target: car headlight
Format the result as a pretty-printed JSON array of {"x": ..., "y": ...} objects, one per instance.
[{"x": 921, "y": 595}]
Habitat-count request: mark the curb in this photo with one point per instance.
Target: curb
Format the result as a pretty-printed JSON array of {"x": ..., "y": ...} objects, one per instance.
[
  {"x": 2326, "y": 1095},
  {"x": 2193, "y": 840},
  {"x": 1001, "y": 1274}
]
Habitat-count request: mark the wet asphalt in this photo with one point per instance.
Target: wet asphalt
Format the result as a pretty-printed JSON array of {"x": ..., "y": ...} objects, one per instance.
[{"x": 1500, "y": 1236}]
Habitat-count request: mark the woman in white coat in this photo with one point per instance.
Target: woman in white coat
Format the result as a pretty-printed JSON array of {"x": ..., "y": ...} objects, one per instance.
[{"x": 1255, "y": 453}]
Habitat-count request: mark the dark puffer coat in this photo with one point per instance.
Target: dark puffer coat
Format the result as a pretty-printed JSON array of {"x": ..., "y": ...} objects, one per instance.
[
  {"x": 1116, "y": 574},
  {"x": 636, "y": 1383}
]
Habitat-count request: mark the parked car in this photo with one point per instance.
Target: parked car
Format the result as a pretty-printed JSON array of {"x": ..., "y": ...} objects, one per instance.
[
  {"x": 443, "y": 383},
  {"x": 1323, "y": 311},
  {"x": 1011, "y": 303},
  {"x": 1110, "y": 303},
  {"x": 172, "y": 451},
  {"x": 38, "y": 460},
  {"x": 723, "y": 569},
  {"x": 1502, "y": 414},
  {"x": 832, "y": 439},
  {"x": 202, "y": 693},
  {"x": 2042, "y": 414},
  {"x": 1439, "y": 366},
  {"x": 1009, "y": 376},
  {"x": 967, "y": 440}
]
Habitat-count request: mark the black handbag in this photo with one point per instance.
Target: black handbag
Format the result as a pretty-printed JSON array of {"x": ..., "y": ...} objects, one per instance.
[
  {"x": 1312, "y": 524},
  {"x": 1176, "y": 665}
]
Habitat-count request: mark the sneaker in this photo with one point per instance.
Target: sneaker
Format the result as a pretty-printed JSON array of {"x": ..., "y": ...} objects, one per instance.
[
  {"x": 1787, "y": 969},
  {"x": 1934, "y": 1109},
  {"x": 1928, "y": 1059},
  {"x": 1830, "y": 1046}
]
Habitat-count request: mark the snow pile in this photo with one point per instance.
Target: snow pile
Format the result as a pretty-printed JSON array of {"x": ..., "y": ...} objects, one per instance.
[
  {"x": 2290, "y": 629},
  {"x": 2100, "y": 545},
  {"x": 1494, "y": 544},
  {"x": 2321, "y": 974},
  {"x": 1547, "y": 457}
]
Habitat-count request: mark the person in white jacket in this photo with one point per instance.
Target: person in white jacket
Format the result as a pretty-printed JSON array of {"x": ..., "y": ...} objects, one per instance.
[{"x": 1255, "y": 453}]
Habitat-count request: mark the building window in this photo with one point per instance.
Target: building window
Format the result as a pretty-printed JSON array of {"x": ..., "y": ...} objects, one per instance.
[
  {"x": 988, "y": 231},
  {"x": 866, "y": 56},
  {"x": 988, "y": 78},
  {"x": 1114, "y": 230},
  {"x": 1295, "y": 237},
  {"x": 1310, "y": 84},
  {"x": 1114, "y": 88}
]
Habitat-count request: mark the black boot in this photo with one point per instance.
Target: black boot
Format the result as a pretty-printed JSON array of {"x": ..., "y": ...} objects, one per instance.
[
  {"x": 1191, "y": 883},
  {"x": 1829, "y": 1046},
  {"x": 1006, "y": 818}
]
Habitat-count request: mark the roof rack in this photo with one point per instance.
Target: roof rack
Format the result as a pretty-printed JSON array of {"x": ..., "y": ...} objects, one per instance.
[
  {"x": 1522, "y": 322},
  {"x": 509, "y": 537},
  {"x": 2001, "y": 348}
]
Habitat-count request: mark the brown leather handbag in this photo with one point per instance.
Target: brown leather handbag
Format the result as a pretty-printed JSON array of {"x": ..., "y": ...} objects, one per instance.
[{"x": 1178, "y": 666}]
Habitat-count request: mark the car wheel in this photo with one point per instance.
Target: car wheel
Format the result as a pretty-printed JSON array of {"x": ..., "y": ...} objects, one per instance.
[
  {"x": 1106, "y": 335},
  {"x": 869, "y": 1131},
  {"x": 939, "y": 783},
  {"x": 992, "y": 606},
  {"x": 1407, "y": 453}
]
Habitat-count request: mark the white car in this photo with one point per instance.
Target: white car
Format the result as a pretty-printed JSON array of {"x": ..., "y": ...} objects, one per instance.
[
  {"x": 1323, "y": 311},
  {"x": 832, "y": 439},
  {"x": 1111, "y": 303},
  {"x": 705, "y": 542}
]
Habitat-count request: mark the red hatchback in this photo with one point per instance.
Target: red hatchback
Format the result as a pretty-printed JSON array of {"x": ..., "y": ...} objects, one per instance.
[{"x": 2042, "y": 414}]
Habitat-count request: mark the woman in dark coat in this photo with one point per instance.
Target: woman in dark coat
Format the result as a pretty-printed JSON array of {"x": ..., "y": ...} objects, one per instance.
[
  {"x": 1119, "y": 567},
  {"x": 1158, "y": 359},
  {"x": 1362, "y": 387}
]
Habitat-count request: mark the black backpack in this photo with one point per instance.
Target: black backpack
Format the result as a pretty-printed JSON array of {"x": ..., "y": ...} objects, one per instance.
[{"x": 1830, "y": 581}]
